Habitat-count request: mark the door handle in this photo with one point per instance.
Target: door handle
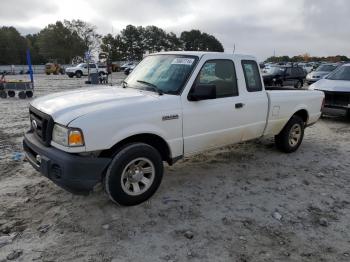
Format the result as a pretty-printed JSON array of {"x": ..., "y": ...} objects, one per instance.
[{"x": 239, "y": 105}]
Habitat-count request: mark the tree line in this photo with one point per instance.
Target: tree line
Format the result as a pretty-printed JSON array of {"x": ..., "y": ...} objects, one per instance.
[
  {"x": 68, "y": 41},
  {"x": 307, "y": 58}
]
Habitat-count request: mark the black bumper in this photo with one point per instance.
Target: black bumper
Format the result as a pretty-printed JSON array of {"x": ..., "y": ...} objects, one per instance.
[
  {"x": 74, "y": 173},
  {"x": 337, "y": 100}
]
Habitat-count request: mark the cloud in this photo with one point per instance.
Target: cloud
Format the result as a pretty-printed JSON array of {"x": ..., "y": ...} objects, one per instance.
[
  {"x": 257, "y": 27},
  {"x": 20, "y": 10}
]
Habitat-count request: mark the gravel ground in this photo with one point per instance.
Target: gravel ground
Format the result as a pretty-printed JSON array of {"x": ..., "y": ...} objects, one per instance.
[{"x": 245, "y": 203}]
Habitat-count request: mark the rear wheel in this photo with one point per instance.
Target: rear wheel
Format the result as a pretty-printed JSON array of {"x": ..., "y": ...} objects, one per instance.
[
  {"x": 134, "y": 174},
  {"x": 291, "y": 136},
  {"x": 70, "y": 75},
  {"x": 22, "y": 95},
  {"x": 29, "y": 94},
  {"x": 298, "y": 84}
]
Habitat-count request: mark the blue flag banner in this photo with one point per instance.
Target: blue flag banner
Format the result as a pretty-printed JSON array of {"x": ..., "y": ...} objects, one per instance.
[{"x": 29, "y": 62}]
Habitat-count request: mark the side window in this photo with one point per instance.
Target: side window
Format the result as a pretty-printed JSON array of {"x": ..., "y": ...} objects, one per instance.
[
  {"x": 92, "y": 66},
  {"x": 252, "y": 76},
  {"x": 220, "y": 73}
]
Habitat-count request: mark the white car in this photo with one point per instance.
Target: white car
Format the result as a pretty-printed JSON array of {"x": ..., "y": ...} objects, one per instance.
[
  {"x": 308, "y": 67},
  {"x": 336, "y": 87},
  {"x": 320, "y": 72},
  {"x": 83, "y": 70},
  {"x": 174, "y": 104}
]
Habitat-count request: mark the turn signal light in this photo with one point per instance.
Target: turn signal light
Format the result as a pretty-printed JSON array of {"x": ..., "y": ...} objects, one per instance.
[{"x": 75, "y": 138}]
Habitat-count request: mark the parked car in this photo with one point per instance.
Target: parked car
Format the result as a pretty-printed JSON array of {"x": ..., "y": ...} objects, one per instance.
[
  {"x": 82, "y": 70},
  {"x": 174, "y": 104},
  {"x": 126, "y": 65},
  {"x": 320, "y": 72},
  {"x": 307, "y": 66},
  {"x": 284, "y": 76},
  {"x": 336, "y": 87},
  {"x": 129, "y": 69}
]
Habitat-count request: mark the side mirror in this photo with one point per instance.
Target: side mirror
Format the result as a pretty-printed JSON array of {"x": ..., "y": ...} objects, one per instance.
[{"x": 202, "y": 92}]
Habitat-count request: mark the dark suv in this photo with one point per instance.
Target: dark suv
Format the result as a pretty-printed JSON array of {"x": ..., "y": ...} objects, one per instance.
[{"x": 284, "y": 76}]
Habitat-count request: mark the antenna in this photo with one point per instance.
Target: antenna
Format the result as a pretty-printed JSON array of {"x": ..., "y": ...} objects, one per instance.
[{"x": 234, "y": 48}]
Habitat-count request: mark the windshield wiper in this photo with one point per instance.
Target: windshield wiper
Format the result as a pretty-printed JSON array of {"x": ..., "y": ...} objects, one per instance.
[{"x": 151, "y": 85}]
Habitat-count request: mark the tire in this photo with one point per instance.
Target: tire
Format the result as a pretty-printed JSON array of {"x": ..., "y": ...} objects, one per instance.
[
  {"x": 3, "y": 94},
  {"x": 70, "y": 75},
  {"x": 11, "y": 93},
  {"x": 291, "y": 136},
  {"x": 22, "y": 95},
  {"x": 29, "y": 94},
  {"x": 120, "y": 184},
  {"x": 298, "y": 84},
  {"x": 78, "y": 74}
]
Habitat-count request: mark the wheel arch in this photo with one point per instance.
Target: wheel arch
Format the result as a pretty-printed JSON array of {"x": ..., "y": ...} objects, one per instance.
[
  {"x": 303, "y": 114},
  {"x": 153, "y": 140}
]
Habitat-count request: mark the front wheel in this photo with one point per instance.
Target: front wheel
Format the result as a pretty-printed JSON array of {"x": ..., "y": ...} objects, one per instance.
[
  {"x": 291, "y": 136},
  {"x": 78, "y": 74},
  {"x": 134, "y": 174}
]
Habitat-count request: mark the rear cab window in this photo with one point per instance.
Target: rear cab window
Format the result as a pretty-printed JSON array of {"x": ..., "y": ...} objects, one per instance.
[{"x": 252, "y": 76}]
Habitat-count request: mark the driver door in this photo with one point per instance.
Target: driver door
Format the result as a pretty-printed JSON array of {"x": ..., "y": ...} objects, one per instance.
[{"x": 213, "y": 122}]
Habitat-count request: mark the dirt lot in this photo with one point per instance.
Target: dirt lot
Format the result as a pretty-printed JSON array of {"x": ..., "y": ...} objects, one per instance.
[{"x": 243, "y": 203}]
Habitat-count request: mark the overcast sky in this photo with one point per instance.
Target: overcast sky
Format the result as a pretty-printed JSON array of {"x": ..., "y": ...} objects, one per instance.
[{"x": 257, "y": 27}]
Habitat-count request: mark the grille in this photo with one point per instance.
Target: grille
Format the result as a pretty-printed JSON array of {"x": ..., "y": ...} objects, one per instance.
[
  {"x": 337, "y": 99},
  {"x": 43, "y": 127}
]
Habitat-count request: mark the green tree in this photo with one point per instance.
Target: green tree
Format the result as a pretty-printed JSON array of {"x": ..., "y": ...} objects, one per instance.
[
  {"x": 154, "y": 39},
  {"x": 32, "y": 44},
  {"x": 56, "y": 41},
  {"x": 173, "y": 43},
  {"x": 114, "y": 47},
  {"x": 195, "y": 40},
  {"x": 132, "y": 38},
  {"x": 12, "y": 46}
]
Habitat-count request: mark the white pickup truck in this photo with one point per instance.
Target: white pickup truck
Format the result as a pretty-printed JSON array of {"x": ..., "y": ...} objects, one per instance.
[
  {"x": 83, "y": 70},
  {"x": 174, "y": 104}
]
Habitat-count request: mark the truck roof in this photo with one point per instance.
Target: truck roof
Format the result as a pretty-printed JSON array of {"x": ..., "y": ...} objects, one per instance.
[{"x": 201, "y": 53}]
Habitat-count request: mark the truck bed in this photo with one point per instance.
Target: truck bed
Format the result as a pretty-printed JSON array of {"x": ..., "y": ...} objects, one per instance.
[{"x": 283, "y": 103}]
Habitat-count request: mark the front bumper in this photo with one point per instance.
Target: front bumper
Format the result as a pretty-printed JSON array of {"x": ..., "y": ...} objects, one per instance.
[{"x": 74, "y": 173}]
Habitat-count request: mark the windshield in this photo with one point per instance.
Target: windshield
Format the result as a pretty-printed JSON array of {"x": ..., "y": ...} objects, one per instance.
[
  {"x": 274, "y": 70},
  {"x": 326, "y": 68},
  {"x": 342, "y": 73},
  {"x": 81, "y": 65},
  {"x": 164, "y": 73}
]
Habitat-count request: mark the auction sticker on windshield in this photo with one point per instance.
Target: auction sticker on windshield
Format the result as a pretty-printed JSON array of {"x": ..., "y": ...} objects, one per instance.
[{"x": 182, "y": 61}]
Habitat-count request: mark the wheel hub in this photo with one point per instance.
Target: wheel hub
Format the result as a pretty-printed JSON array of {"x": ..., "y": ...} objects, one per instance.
[
  {"x": 294, "y": 135},
  {"x": 138, "y": 176}
]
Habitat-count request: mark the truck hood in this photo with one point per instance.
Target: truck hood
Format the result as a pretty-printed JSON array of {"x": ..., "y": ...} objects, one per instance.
[
  {"x": 64, "y": 107},
  {"x": 331, "y": 85}
]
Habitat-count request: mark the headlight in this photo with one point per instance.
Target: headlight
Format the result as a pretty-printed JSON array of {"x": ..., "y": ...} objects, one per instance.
[{"x": 67, "y": 136}]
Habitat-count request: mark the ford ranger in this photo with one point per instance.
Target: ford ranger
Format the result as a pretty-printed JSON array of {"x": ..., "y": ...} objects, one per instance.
[{"x": 174, "y": 104}]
